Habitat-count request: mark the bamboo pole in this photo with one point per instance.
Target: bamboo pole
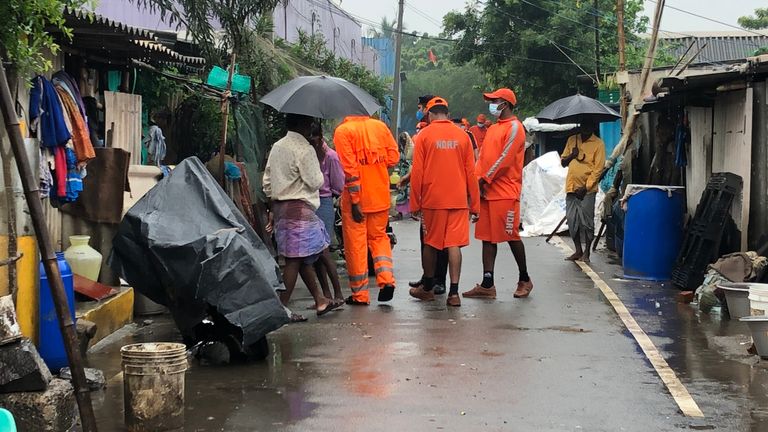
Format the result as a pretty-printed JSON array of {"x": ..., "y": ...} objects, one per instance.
[
  {"x": 32, "y": 194},
  {"x": 631, "y": 124},
  {"x": 225, "y": 120}
]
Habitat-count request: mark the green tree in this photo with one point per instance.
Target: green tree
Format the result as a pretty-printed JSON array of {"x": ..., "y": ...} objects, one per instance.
[
  {"x": 521, "y": 43},
  {"x": 312, "y": 51},
  {"x": 460, "y": 85},
  {"x": 239, "y": 20},
  {"x": 757, "y": 22},
  {"x": 23, "y": 34}
]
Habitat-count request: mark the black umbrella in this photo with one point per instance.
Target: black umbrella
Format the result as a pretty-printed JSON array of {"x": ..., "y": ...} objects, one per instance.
[
  {"x": 322, "y": 97},
  {"x": 573, "y": 109}
]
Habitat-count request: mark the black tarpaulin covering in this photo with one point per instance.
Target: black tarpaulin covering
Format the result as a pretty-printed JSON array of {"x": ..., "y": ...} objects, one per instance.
[{"x": 186, "y": 246}]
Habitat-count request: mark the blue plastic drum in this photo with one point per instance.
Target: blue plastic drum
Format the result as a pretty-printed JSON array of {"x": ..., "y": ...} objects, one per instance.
[
  {"x": 653, "y": 231},
  {"x": 50, "y": 340}
]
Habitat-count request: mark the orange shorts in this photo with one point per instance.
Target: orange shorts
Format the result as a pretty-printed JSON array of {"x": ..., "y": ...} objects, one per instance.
[
  {"x": 499, "y": 221},
  {"x": 444, "y": 228}
]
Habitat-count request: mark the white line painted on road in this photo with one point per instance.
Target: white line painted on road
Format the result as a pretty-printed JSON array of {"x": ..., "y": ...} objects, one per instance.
[{"x": 684, "y": 399}]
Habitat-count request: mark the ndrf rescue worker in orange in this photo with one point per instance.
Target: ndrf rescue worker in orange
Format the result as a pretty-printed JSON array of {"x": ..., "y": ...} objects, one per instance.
[
  {"x": 444, "y": 189},
  {"x": 499, "y": 170},
  {"x": 366, "y": 149}
]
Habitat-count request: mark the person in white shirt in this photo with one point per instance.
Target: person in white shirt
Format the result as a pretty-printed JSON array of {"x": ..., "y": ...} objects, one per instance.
[{"x": 292, "y": 181}]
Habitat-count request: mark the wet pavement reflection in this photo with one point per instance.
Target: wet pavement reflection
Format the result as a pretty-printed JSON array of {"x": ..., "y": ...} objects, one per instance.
[{"x": 558, "y": 361}]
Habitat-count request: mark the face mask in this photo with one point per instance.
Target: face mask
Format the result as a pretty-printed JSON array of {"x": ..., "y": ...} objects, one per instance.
[
  {"x": 494, "y": 109},
  {"x": 419, "y": 115},
  {"x": 482, "y": 125}
]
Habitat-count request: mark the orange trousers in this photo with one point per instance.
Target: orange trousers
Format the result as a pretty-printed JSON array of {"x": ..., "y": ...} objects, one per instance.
[{"x": 371, "y": 234}]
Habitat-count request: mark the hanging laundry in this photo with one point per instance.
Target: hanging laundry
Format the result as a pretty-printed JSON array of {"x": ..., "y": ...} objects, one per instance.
[
  {"x": 74, "y": 177},
  {"x": 60, "y": 172},
  {"x": 155, "y": 144},
  {"x": 81, "y": 139},
  {"x": 46, "y": 115},
  {"x": 46, "y": 179},
  {"x": 68, "y": 83}
]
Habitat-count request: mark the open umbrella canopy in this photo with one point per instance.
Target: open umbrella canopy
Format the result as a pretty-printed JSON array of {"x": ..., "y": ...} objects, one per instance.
[
  {"x": 322, "y": 97},
  {"x": 573, "y": 109}
]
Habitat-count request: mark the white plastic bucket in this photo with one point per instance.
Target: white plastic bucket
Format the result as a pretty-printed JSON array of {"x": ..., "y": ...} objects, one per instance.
[{"x": 153, "y": 386}]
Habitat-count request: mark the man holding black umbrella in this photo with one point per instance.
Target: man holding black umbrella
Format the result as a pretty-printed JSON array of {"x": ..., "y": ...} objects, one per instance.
[{"x": 584, "y": 156}]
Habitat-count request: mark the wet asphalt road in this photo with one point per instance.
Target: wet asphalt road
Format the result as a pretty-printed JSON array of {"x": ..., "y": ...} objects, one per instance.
[{"x": 560, "y": 360}]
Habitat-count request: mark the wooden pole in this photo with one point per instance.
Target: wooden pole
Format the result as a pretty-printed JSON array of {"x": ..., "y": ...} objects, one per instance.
[
  {"x": 225, "y": 120},
  {"x": 30, "y": 185},
  {"x": 10, "y": 204},
  {"x": 396, "y": 88},
  {"x": 631, "y": 124},
  {"x": 597, "y": 40},
  {"x": 622, "y": 58}
]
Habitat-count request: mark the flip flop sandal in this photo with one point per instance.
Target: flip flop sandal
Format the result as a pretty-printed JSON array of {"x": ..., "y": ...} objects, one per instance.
[
  {"x": 331, "y": 306},
  {"x": 296, "y": 318}
]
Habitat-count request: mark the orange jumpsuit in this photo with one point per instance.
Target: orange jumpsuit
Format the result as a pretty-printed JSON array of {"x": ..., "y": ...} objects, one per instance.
[
  {"x": 500, "y": 165},
  {"x": 443, "y": 184},
  {"x": 366, "y": 150}
]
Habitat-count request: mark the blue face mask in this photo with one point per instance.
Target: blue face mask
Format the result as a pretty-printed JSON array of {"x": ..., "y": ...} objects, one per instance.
[{"x": 419, "y": 115}]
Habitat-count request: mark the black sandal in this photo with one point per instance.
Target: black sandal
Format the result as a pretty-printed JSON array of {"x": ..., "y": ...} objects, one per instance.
[{"x": 331, "y": 306}]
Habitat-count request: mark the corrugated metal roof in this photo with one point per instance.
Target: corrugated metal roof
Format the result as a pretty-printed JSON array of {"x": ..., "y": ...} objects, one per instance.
[
  {"x": 720, "y": 46},
  {"x": 112, "y": 40}
]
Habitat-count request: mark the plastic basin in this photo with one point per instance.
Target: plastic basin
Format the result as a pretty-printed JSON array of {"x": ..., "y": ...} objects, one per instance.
[
  {"x": 758, "y": 326},
  {"x": 737, "y": 298}
]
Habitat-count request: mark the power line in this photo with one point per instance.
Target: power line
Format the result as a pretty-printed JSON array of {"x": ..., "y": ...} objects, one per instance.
[
  {"x": 424, "y": 15},
  {"x": 515, "y": 17},
  {"x": 709, "y": 19}
]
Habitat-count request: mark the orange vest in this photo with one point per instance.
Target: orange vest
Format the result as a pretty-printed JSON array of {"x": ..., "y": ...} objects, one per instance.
[{"x": 366, "y": 150}]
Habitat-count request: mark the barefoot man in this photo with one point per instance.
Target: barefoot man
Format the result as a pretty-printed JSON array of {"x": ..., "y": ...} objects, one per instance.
[
  {"x": 499, "y": 170},
  {"x": 584, "y": 156},
  {"x": 444, "y": 189}
]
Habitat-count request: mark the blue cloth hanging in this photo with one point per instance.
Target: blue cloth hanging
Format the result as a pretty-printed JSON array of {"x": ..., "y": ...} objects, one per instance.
[
  {"x": 681, "y": 137},
  {"x": 45, "y": 111}
]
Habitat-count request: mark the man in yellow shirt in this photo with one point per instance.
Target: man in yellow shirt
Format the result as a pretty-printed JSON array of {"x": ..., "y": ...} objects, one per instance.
[{"x": 584, "y": 156}]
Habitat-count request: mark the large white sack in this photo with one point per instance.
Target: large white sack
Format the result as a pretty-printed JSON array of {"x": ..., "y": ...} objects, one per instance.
[{"x": 542, "y": 201}]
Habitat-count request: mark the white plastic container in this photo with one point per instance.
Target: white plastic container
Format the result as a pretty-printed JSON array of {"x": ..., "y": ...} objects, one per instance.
[{"x": 758, "y": 299}]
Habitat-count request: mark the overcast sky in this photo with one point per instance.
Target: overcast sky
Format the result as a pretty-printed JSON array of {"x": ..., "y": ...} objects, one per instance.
[{"x": 425, "y": 15}]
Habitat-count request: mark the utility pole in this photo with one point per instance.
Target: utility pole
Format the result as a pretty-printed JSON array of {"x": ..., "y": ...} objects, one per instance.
[
  {"x": 396, "y": 88},
  {"x": 622, "y": 58},
  {"x": 597, "y": 41}
]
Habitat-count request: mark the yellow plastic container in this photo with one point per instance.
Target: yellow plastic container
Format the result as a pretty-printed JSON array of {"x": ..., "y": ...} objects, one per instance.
[{"x": 84, "y": 260}]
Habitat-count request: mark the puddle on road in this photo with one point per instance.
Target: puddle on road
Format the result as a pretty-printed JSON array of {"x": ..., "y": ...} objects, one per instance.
[{"x": 564, "y": 329}]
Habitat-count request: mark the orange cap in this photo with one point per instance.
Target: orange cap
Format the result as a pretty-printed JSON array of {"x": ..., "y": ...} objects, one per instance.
[
  {"x": 481, "y": 118},
  {"x": 436, "y": 101},
  {"x": 502, "y": 93}
]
